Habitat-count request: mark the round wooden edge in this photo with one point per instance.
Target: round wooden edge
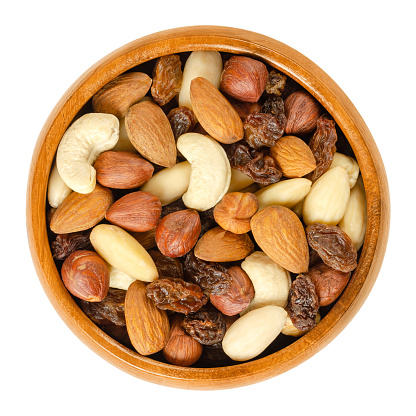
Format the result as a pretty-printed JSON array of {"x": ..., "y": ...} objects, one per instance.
[{"x": 319, "y": 84}]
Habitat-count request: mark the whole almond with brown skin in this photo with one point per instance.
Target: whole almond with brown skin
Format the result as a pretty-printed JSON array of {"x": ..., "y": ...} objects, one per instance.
[
  {"x": 121, "y": 93},
  {"x": 244, "y": 78},
  {"x": 238, "y": 297},
  {"x": 122, "y": 170},
  {"x": 149, "y": 131},
  {"x": 79, "y": 212},
  {"x": 148, "y": 327},
  {"x": 220, "y": 245},
  {"x": 181, "y": 349},
  {"x": 85, "y": 274},
  {"x": 293, "y": 157},
  {"x": 280, "y": 234},
  {"x": 178, "y": 232},
  {"x": 137, "y": 211},
  {"x": 214, "y": 112},
  {"x": 329, "y": 283}
]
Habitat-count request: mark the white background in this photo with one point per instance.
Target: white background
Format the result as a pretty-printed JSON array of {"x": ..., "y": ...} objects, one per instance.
[{"x": 368, "y": 48}]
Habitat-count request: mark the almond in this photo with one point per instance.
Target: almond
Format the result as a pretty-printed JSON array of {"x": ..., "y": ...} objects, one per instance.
[
  {"x": 149, "y": 131},
  {"x": 137, "y": 211},
  {"x": 178, "y": 232},
  {"x": 293, "y": 157},
  {"x": 121, "y": 93},
  {"x": 148, "y": 327},
  {"x": 280, "y": 234},
  {"x": 220, "y": 245},
  {"x": 122, "y": 170},
  {"x": 79, "y": 212},
  {"x": 214, "y": 112}
]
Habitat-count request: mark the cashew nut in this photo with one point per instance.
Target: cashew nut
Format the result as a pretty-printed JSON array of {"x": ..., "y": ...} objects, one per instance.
[
  {"x": 210, "y": 170},
  {"x": 119, "y": 279},
  {"x": 349, "y": 164},
  {"x": 80, "y": 146},
  {"x": 58, "y": 190}
]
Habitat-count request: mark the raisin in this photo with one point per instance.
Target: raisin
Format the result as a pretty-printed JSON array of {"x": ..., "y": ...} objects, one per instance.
[
  {"x": 255, "y": 163},
  {"x": 167, "y": 78},
  {"x": 174, "y": 206},
  {"x": 65, "y": 244},
  {"x": 323, "y": 146},
  {"x": 182, "y": 120},
  {"x": 167, "y": 267},
  {"x": 303, "y": 303},
  {"x": 333, "y": 246},
  {"x": 275, "y": 83},
  {"x": 276, "y": 107},
  {"x": 212, "y": 277},
  {"x": 206, "y": 326},
  {"x": 176, "y": 295},
  {"x": 207, "y": 220},
  {"x": 262, "y": 129}
]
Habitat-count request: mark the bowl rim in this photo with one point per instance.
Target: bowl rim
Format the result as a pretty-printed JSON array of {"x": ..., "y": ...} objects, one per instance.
[{"x": 336, "y": 103}]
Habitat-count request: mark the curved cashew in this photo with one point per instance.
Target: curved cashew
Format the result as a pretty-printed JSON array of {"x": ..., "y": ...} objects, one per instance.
[
  {"x": 210, "y": 170},
  {"x": 80, "y": 146},
  {"x": 58, "y": 190}
]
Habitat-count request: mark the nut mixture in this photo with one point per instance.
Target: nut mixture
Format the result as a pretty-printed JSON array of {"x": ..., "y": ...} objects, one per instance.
[{"x": 201, "y": 213}]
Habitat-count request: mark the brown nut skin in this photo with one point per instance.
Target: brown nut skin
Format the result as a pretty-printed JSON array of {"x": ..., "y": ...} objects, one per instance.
[
  {"x": 181, "y": 349},
  {"x": 244, "y": 78},
  {"x": 122, "y": 170},
  {"x": 137, "y": 211},
  {"x": 302, "y": 113},
  {"x": 178, "y": 232},
  {"x": 239, "y": 296},
  {"x": 329, "y": 283},
  {"x": 85, "y": 274},
  {"x": 235, "y": 210}
]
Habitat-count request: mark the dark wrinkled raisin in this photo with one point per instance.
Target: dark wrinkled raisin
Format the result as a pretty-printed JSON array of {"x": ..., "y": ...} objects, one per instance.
[
  {"x": 244, "y": 108},
  {"x": 167, "y": 267},
  {"x": 212, "y": 277},
  {"x": 323, "y": 146},
  {"x": 167, "y": 78},
  {"x": 206, "y": 326},
  {"x": 65, "y": 244},
  {"x": 303, "y": 303},
  {"x": 174, "y": 206},
  {"x": 276, "y": 83},
  {"x": 255, "y": 163},
  {"x": 262, "y": 129},
  {"x": 182, "y": 120},
  {"x": 333, "y": 246},
  {"x": 207, "y": 220},
  {"x": 175, "y": 294},
  {"x": 276, "y": 107}
]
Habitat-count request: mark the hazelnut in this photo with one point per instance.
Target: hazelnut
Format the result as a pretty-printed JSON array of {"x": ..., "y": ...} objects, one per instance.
[
  {"x": 85, "y": 274},
  {"x": 244, "y": 78},
  {"x": 235, "y": 210},
  {"x": 302, "y": 113}
]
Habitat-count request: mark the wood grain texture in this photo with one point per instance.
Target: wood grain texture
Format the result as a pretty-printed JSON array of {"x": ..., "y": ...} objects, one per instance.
[{"x": 324, "y": 89}]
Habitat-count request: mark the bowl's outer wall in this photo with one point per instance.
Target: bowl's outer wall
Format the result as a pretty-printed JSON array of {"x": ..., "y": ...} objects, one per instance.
[{"x": 319, "y": 84}]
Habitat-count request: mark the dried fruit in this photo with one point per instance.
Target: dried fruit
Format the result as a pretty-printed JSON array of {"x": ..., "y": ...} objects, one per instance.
[
  {"x": 254, "y": 163},
  {"x": 323, "y": 146},
  {"x": 302, "y": 113},
  {"x": 220, "y": 245},
  {"x": 176, "y": 295},
  {"x": 293, "y": 157},
  {"x": 280, "y": 234},
  {"x": 182, "y": 120},
  {"x": 333, "y": 245},
  {"x": 137, "y": 211},
  {"x": 177, "y": 233},
  {"x": 276, "y": 83},
  {"x": 211, "y": 277},
  {"x": 167, "y": 78},
  {"x": 147, "y": 325},
  {"x": 303, "y": 303},
  {"x": 122, "y": 170},
  {"x": 65, "y": 244},
  {"x": 86, "y": 276},
  {"x": 206, "y": 326},
  {"x": 245, "y": 108},
  {"x": 276, "y": 107},
  {"x": 235, "y": 210},
  {"x": 238, "y": 296},
  {"x": 167, "y": 267},
  {"x": 121, "y": 93},
  {"x": 261, "y": 129}
]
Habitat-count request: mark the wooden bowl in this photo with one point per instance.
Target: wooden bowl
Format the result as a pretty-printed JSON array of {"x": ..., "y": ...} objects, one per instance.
[{"x": 324, "y": 89}]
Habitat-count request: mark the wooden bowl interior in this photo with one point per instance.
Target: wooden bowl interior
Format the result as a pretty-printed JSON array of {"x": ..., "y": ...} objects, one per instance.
[{"x": 285, "y": 352}]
